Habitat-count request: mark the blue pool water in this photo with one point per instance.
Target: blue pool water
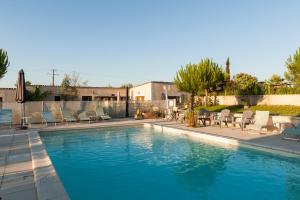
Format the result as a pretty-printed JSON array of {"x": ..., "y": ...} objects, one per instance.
[{"x": 140, "y": 163}]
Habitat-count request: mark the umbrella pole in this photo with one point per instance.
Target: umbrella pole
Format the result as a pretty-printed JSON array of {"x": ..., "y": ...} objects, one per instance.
[{"x": 23, "y": 115}]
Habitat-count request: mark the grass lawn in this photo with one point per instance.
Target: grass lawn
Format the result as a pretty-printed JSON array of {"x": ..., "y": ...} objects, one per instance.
[{"x": 274, "y": 110}]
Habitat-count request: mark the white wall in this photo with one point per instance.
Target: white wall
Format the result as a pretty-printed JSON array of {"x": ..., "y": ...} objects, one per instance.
[
  {"x": 154, "y": 91},
  {"x": 141, "y": 90}
]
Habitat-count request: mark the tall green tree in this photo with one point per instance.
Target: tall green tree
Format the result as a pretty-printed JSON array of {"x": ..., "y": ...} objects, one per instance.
[
  {"x": 211, "y": 77},
  {"x": 293, "y": 68},
  {"x": 187, "y": 79},
  {"x": 4, "y": 63},
  {"x": 206, "y": 76},
  {"x": 227, "y": 73}
]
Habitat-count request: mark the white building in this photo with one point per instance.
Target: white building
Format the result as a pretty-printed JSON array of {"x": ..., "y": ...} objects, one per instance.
[{"x": 157, "y": 90}]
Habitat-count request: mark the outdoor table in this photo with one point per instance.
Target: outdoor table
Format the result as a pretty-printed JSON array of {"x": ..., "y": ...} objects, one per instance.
[{"x": 204, "y": 118}]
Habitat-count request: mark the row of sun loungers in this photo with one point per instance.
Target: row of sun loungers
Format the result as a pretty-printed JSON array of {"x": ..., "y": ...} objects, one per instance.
[
  {"x": 66, "y": 116},
  {"x": 47, "y": 117}
]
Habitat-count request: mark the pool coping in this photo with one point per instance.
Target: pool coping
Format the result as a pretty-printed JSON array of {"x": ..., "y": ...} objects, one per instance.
[
  {"x": 49, "y": 186},
  {"x": 47, "y": 182}
]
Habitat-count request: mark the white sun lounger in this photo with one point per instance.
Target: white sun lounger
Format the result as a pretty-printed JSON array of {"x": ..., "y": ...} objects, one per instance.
[
  {"x": 47, "y": 117},
  {"x": 100, "y": 113},
  {"x": 66, "y": 116},
  {"x": 6, "y": 117}
]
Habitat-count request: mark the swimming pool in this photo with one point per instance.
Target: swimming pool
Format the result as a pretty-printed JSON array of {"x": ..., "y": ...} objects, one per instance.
[{"x": 143, "y": 163}]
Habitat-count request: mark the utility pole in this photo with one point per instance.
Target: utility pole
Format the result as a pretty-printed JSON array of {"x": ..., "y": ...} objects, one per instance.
[{"x": 53, "y": 74}]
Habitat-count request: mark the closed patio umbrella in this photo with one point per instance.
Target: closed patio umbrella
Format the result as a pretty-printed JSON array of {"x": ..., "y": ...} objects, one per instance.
[{"x": 21, "y": 94}]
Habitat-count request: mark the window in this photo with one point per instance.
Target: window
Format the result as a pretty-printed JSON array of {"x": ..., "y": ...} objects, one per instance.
[
  {"x": 139, "y": 98},
  {"x": 1, "y": 99},
  {"x": 86, "y": 98},
  {"x": 57, "y": 98},
  {"x": 177, "y": 98}
]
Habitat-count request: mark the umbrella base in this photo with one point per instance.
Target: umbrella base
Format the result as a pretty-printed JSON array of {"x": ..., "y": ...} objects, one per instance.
[{"x": 21, "y": 128}]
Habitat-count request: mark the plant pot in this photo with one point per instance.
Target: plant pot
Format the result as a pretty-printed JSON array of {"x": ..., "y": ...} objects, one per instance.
[{"x": 138, "y": 117}]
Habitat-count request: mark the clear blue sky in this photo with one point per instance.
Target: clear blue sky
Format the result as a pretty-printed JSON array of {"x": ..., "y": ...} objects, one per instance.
[{"x": 114, "y": 42}]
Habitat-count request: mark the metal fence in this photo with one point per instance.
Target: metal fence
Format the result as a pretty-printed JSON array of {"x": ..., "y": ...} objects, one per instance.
[{"x": 116, "y": 109}]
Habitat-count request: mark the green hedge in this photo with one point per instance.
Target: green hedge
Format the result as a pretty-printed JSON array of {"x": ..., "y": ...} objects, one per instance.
[{"x": 274, "y": 110}]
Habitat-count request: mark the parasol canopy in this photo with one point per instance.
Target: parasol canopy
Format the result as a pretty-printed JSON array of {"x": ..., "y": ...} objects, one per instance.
[{"x": 21, "y": 90}]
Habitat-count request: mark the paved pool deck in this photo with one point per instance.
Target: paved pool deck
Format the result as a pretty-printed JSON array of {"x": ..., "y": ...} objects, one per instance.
[{"x": 21, "y": 155}]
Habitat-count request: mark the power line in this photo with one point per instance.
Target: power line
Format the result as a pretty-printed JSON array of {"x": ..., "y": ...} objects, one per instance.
[{"x": 53, "y": 74}]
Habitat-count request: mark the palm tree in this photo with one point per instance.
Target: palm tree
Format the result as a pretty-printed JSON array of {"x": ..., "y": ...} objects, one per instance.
[{"x": 4, "y": 63}]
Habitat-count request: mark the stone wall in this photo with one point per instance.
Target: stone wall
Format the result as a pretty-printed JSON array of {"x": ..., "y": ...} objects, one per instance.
[{"x": 293, "y": 99}]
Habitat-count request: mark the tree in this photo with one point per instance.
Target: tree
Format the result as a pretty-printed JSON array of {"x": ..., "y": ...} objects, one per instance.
[
  {"x": 227, "y": 74},
  {"x": 125, "y": 85},
  {"x": 28, "y": 83},
  {"x": 37, "y": 94},
  {"x": 206, "y": 76},
  {"x": 211, "y": 77},
  {"x": 69, "y": 86},
  {"x": 68, "y": 91},
  {"x": 246, "y": 84},
  {"x": 4, "y": 63},
  {"x": 276, "y": 80},
  {"x": 187, "y": 79},
  {"x": 293, "y": 68}
]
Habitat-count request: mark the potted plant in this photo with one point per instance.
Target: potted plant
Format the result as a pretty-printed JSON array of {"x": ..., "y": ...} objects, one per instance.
[
  {"x": 138, "y": 114},
  {"x": 190, "y": 118}
]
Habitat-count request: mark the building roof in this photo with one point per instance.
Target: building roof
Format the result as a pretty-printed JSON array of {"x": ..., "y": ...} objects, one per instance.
[
  {"x": 159, "y": 82},
  {"x": 91, "y": 87}
]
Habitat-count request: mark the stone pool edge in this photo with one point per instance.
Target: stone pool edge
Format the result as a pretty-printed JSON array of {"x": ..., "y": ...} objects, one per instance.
[
  {"x": 225, "y": 140},
  {"x": 47, "y": 182}
]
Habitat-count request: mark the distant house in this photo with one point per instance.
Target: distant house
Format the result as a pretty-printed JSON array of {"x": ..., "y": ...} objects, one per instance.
[{"x": 157, "y": 90}]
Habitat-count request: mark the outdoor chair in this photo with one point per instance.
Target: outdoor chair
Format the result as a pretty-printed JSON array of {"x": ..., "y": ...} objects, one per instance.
[
  {"x": 170, "y": 114},
  {"x": 47, "y": 117},
  {"x": 100, "y": 113},
  {"x": 224, "y": 116},
  {"x": 6, "y": 117},
  {"x": 292, "y": 132},
  {"x": 261, "y": 120},
  {"x": 246, "y": 119}
]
